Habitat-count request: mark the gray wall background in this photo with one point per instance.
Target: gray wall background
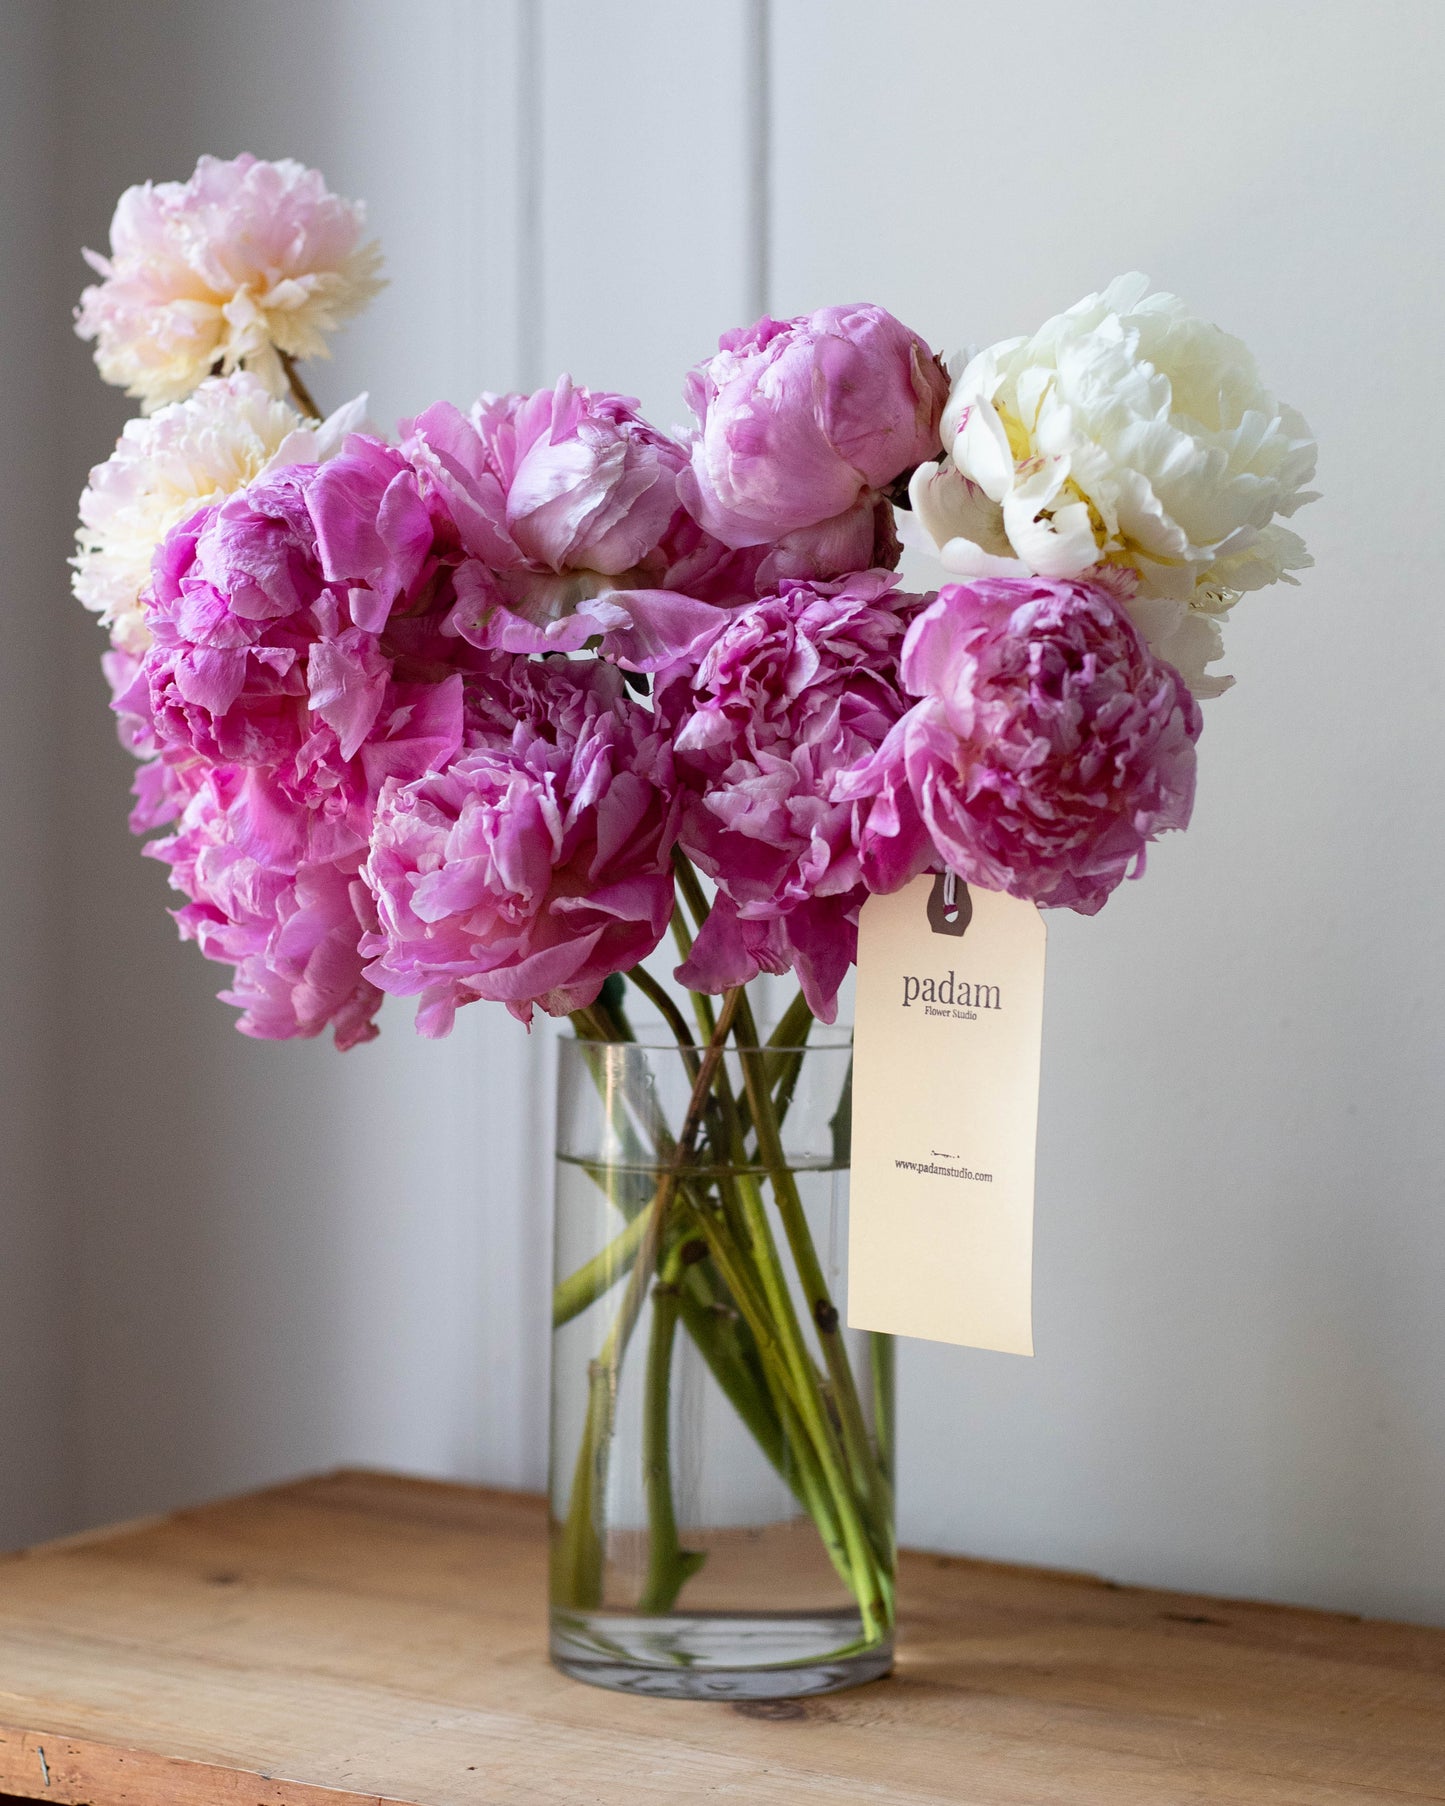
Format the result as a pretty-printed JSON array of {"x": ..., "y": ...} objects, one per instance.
[{"x": 223, "y": 1262}]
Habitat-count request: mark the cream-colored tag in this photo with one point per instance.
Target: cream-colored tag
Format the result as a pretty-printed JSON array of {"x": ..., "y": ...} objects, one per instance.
[{"x": 949, "y": 1024}]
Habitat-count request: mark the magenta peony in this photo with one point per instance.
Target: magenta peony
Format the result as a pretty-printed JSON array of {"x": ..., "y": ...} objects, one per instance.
[
  {"x": 792, "y": 691},
  {"x": 245, "y": 261},
  {"x": 1048, "y": 748},
  {"x": 538, "y": 861},
  {"x": 802, "y": 424}
]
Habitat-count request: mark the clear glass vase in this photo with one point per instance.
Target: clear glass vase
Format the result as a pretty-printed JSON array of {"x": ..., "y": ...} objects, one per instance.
[{"x": 721, "y": 1461}]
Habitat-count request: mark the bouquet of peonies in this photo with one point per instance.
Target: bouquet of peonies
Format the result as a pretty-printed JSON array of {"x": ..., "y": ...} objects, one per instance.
[
  {"x": 459, "y": 714},
  {"x": 489, "y": 708}
]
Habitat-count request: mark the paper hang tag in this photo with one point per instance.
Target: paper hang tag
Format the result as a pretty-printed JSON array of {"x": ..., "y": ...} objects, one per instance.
[{"x": 948, "y": 1030}]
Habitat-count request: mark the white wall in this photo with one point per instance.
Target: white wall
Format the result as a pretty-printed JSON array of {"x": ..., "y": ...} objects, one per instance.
[
  {"x": 1241, "y": 1240},
  {"x": 291, "y": 1258}
]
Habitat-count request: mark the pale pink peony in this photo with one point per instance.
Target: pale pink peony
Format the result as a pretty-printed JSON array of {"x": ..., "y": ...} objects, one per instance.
[
  {"x": 552, "y": 499},
  {"x": 792, "y": 691},
  {"x": 1048, "y": 748},
  {"x": 245, "y": 261},
  {"x": 535, "y": 864},
  {"x": 802, "y": 426}
]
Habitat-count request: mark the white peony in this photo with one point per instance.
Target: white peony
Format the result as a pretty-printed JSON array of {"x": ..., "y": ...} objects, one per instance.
[
  {"x": 1127, "y": 433},
  {"x": 168, "y": 465}
]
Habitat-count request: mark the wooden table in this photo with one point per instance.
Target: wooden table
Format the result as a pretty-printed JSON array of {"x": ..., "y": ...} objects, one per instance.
[{"x": 362, "y": 1638}]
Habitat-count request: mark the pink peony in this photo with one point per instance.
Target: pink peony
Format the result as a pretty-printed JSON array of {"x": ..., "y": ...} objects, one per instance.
[
  {"x": 1048, "y": 748},
  {"x": 865, "y": 538},
  {"x": 803, "y": 424},
  {"x": 166, "y": 780},
  {"x": 552, "y": 498},
  {"x": 165, "y": 468},
  {"x": 230, "y": 611},
  {"x": 697, "y": 565},
  {"x": 291, "y": 935},
  {"x": 320, "y": 807},
  {"x": 278, "y": 697},
  {"x": 373, "y": 531},
  {"x": 792, "y": 691},
  {"x": 535, "y": 864},
  {"x": 244, "y": 261},
  {"x": 260, "y": 658}
]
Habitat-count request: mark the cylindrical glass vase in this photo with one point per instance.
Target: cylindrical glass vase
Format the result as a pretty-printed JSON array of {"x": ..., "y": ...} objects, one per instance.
[{"x": 721, "y": 1459}]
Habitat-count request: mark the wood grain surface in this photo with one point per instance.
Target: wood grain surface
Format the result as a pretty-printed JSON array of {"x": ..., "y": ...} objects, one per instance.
[{"x": 362, "y": 1638}]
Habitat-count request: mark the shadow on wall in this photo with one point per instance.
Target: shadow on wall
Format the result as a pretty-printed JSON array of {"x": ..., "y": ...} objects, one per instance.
[
  {"x": 37, "y": 1447},
  {"x": 284, "y": 1257}
]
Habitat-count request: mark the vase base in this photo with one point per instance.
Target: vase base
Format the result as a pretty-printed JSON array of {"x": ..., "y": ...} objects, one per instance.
[{"x": 717, "y": 1655}]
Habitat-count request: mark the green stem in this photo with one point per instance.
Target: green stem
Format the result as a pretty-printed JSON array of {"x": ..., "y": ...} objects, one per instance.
[
  {"x": 754, "y": 1380},
  {"x": 669, "y": 1565},
  {"x": 803, "y": 1467},
  {"x": 784, "y": 1059},
  {"x": 625, "y": 1182},
  {"x": 862, "y": 1462},
  {"x": 596, "y": 1277},
  {"x": 672, "y": 1015},
  {"x": 682, "y": 940},
  {"x": 737, "y": 1308},
  {"x": 881, "y": 1365},
  {"x": 611, "y": 1009},
  {"x": 726, "y": 1344},
  {"x": 793, "y": 1025},
  {"x": 786, "y": 1042},
  {"x": 298, "y": 388},
  {"x": 690, "y": 885},
  {"x": 870, "y": 1587},
  {"x": 578, "y": 1554},
  {"x": 861, "y": 1467},
  {"x": 586, "y": 1026}
]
